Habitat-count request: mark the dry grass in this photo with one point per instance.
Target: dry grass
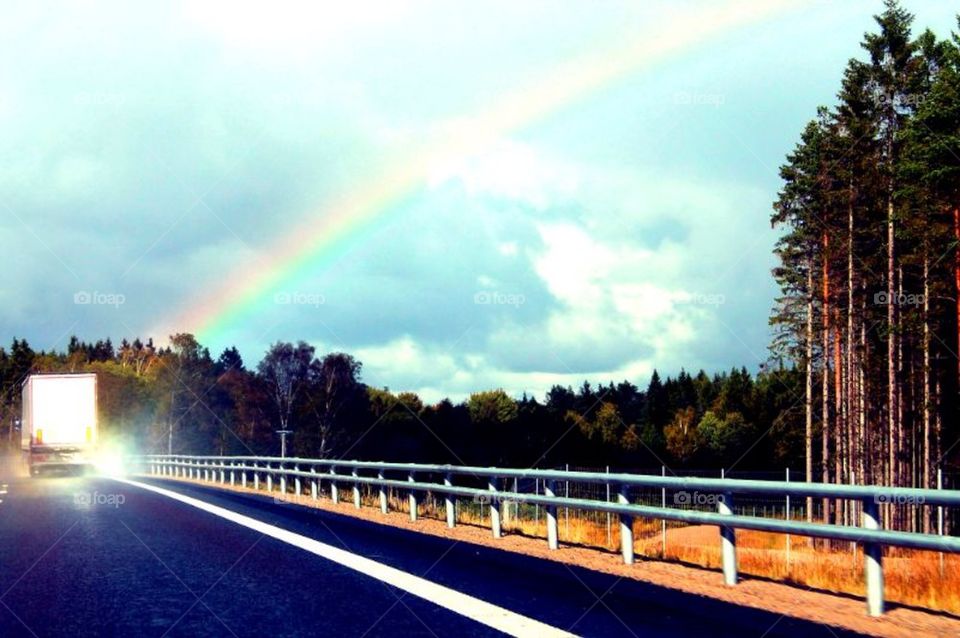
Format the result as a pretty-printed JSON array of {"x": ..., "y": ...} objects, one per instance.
[{"x": 916, "y": 578}]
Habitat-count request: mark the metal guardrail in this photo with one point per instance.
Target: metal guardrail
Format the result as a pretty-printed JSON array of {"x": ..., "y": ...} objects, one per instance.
[{"x": 869, "y": 535}]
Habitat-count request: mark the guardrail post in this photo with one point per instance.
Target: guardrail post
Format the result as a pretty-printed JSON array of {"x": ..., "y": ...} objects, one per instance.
[
  {"x": 413, "y": 498},
  {"x": 553, "y": 537},
  {"x": 233, "y": 474},
  {"x": 940, "y": 515},
  {"x": 243, "y": 475},
  {"x": 356, "y": 490},
  {"x": 728, "y": 540},
  {"x": 313, "y": 483},
  {"x": 384, "y": 505},
  {"x": 494, "y": 508},
  {"x": 873, "y": 556},
  {"x": 256, "y": 477},
  {"x": 786, "y": 508},
  {"x": 269, "y": 478},
  {"x": 450, "y": 503},
  {"x": 296, "y": 481},
  {"x": 334, "y": 489},
  {"x": 223, "y": 473},
  {"x": 283, "y": 479},
  {"x": 206, "y": 470},
  {"x": 626, "y": 526}
]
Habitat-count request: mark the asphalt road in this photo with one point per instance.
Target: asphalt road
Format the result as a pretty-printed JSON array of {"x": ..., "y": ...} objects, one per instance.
[{"x": 85, "y": 556}]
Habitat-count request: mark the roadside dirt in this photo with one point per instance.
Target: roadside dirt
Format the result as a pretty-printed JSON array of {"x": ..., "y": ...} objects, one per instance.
[{"x": 799, "y": 602}]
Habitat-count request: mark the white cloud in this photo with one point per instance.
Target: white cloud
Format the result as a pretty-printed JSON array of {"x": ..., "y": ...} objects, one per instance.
[
  {"x": 628, "y": 258},
  {"x": 509, "y": 170}
]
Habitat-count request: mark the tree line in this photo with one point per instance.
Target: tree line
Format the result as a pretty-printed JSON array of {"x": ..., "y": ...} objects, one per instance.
[
  {"x": 180, "y": 399},
  {"x": 869, "y": 266}
]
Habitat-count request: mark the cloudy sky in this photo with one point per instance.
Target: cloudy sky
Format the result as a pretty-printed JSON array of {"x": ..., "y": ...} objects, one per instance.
[{"x": 600, "y": 207}]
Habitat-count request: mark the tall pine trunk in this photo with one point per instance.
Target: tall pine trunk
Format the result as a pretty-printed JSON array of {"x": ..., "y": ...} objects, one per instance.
[
  {"x": 925, "y": 481},
  {"x": 956, "y": 273},
  {"x": 825, "y": 372},
  {"x": 808, "y": 430},
  {"x": 849, "y": 410},
  {"x": 891, "y": 443}
]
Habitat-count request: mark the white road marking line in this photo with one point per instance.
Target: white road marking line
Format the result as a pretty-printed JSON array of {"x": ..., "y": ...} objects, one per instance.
[{"x": 491, "y": 615}]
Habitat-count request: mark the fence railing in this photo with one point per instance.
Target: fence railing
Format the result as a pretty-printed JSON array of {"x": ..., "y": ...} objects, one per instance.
[{"x": 244, "y": 470}]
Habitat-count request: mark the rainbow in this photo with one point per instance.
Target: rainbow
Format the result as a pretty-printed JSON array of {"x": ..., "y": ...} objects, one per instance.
[{"x": 341, "y": 223}]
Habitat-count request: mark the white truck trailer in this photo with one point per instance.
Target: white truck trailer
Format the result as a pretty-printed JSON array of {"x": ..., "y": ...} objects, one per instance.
[{"x": 59, "y": 424}]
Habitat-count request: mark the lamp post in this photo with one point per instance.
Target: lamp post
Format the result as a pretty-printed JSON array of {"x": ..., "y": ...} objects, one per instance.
[{"x": 283, "y": 442}]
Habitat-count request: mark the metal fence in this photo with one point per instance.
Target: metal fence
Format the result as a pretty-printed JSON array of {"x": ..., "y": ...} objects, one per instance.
[{"x": 616, "y": 495}]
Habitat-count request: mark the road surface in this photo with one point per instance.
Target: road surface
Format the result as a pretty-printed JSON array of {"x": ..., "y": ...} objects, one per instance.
[{"x": 90, "y": 556}]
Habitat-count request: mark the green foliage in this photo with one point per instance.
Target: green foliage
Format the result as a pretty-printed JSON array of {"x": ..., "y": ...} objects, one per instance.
[
  {"x": 492, "y": 407},
  {"x": 682, "y": 436}
]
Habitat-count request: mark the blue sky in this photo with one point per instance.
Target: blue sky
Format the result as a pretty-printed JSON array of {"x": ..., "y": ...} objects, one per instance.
[{"x": 148, "y": 150}]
